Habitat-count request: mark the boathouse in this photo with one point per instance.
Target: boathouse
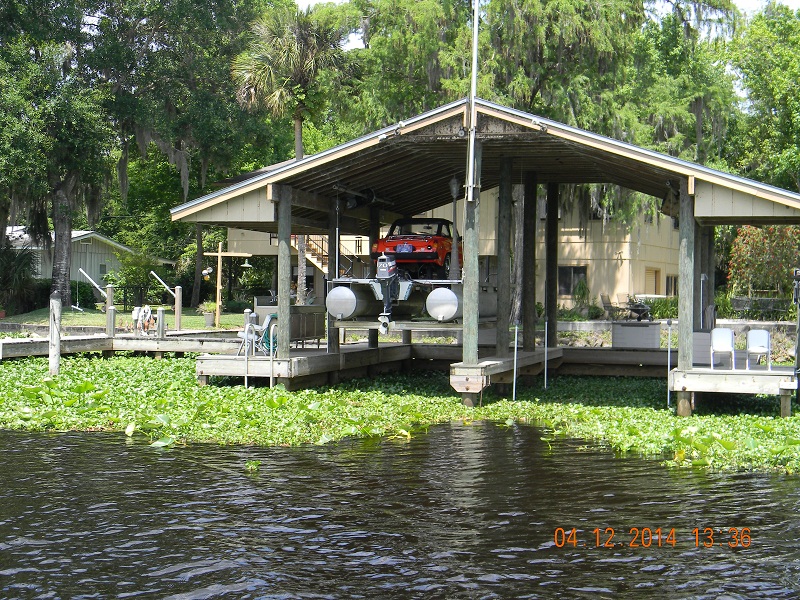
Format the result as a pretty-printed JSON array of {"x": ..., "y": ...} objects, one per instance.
[{"x": 406, "y": 168}]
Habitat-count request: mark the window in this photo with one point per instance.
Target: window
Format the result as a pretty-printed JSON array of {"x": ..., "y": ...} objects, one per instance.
[
  {"x": 568, "y": 278},
  {"x": 652, "y": 281},
  {"x": 672, "y": 285},
  {"x": 102, "y": 269}
]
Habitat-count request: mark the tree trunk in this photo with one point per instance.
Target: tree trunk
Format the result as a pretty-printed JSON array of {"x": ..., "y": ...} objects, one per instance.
[
  {"x": 198, "y": 266},
  {"x": 298, "y": 137},
  {"x": 62, "y": 225},
  {"x": 5, "y": 209},
  {"x": 301, "y": 270}
]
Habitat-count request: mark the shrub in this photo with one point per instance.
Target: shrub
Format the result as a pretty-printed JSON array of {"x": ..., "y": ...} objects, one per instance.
[
  {"x": 664, "y": 308},
  {"x": 237, "y": 306}
]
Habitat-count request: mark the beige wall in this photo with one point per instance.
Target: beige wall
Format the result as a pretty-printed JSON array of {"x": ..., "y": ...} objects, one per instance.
[{"x": 616, "y": 257}]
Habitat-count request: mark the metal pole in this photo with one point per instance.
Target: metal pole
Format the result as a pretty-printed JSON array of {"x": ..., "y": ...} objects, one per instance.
[
  {"x": 161, "y": 281},
  {"x": 54, "y": 345},
  {"x": 545, "y": 354},
  {"x": 99, "y": 289},
  {"x": 248, "y": 327},
  {"x": 272, "y": 354},
  {"x": 669, "y": 355},
  {"x": 516, "y": 338},
  {"x": 473, "y": 92}
]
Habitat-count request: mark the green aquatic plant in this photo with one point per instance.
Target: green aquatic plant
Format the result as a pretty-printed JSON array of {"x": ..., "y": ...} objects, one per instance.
[{"x": 159, "y": 402}]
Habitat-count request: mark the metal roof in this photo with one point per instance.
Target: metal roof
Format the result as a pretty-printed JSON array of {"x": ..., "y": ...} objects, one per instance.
[{"x": 405, "y": 168}]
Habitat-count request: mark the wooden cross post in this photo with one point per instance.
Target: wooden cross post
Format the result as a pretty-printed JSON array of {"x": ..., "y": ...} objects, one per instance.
[{"x": 219, "y": 254}]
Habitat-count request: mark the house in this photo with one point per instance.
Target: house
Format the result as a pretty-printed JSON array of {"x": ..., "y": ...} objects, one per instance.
[{"x": 91, "y": 251}]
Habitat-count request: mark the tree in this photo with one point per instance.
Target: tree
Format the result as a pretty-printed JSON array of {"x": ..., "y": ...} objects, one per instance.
[
  {"x": 66, "y": 131},
  {"x": 280, "y": 71},
  {"x": 767, "y": 57},
  {"x": 763, "y": 258},
  {"x": 281, "y": 67}
]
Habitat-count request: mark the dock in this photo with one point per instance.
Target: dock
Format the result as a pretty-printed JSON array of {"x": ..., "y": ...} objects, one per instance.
[{"x": 76, "y": 344}]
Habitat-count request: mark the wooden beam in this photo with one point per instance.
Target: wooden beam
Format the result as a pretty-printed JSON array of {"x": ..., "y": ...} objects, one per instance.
[
  {"x": 551, "y": 269},
  {"x": 528, "y": 257},
  {"x": 685, "y": 279},
  {"x": 284, "y": 270},
  {"x": 504, "y": 258}
]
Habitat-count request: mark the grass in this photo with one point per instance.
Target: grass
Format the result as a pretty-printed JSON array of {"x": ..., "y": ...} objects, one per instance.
[
  {"x": 91, "y": 317},
  {"x": 159, "y": 402}
]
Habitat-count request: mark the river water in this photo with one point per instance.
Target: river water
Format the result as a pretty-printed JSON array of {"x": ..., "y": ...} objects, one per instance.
[{"x": 464, "y": 511}]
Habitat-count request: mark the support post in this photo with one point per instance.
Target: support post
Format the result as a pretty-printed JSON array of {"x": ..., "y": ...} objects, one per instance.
[
  {"x": 111, "y": 321},
  {"x": 471, "y": 272},
  {"x": 374, "y": 235},
  {"x": 529, "y": 221},
  {"x": 551, "y": 270},
  {"x": 333, "y": 265},
  {"x": 684, "y": 408},
  {"x": 161, "y": 326},
  {"x": 219, "y": 286},
  {"x": 178, "y": 306},
  {"x": 54, "y": 342},
  {"x": 284, "y": 269},
  {"x": 699, "y": 263},
  {"x": 786, "y": 404},
  {"x": 109, "y": 296},
  {"x": 504, "y": 258},
  {"x": 686, "y": 231}
]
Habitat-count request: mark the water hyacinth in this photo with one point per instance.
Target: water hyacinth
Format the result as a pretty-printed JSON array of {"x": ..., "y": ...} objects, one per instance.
[{"x": 160, "y": 403}]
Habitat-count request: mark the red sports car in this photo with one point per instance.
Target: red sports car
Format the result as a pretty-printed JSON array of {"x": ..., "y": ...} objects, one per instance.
[{"x": 420, "y": 246}]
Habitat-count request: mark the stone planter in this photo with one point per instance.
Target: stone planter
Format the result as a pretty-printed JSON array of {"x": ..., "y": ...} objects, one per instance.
[
  {"x": 209, "y": 319},
  {"x": 635, "y": 334}
]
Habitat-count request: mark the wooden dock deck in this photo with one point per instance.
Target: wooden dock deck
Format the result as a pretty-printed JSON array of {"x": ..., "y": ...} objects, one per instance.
[
  {"x": 780, "y": 381},
  {"x": 185, "y": 342}
]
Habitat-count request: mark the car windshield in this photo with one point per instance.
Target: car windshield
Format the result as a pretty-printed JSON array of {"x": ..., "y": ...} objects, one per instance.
[{"x": 420, "y": 228}]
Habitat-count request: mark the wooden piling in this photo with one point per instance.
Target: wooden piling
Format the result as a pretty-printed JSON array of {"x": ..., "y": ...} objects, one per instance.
[{"x": 54, "y": 345}]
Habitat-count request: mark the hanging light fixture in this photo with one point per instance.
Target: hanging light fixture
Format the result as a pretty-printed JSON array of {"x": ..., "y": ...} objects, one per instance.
[{"x": 246, "y": 264}]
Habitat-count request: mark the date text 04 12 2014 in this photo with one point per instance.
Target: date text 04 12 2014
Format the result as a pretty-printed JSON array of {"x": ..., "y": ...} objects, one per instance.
[{"x": 648, "y": 537}]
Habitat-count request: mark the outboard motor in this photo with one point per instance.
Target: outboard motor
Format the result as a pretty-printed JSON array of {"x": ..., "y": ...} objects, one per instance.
[{"x": 390, "y": 289}]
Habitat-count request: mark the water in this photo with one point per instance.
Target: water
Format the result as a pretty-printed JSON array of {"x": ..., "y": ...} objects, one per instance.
[{"x": 462, "y": 512}]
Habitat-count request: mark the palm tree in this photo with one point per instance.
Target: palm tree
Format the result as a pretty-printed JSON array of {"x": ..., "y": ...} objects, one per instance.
[
  {"x": 279, "y": 72},
  {"x": 280, "y": 69}
]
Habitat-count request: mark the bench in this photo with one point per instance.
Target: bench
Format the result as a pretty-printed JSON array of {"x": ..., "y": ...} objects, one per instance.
[{"x": 760, "y": 308}]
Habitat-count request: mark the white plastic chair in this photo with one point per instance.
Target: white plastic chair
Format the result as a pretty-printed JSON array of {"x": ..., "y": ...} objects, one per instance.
[
  {"x": 758, "y": 344},
  {"x": 722, "y": 343}
]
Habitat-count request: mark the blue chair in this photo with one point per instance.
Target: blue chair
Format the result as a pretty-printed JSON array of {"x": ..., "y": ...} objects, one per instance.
[{"x": 259, "y": 337}]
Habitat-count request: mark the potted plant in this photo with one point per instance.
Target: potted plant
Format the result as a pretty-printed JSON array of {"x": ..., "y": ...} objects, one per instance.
[{"x": 209, "y": 310}]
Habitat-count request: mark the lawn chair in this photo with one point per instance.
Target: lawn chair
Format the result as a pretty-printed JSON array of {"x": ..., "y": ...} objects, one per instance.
[
  {"x": 722, "y": 343},
  {"x": 758, "y": 345},
  {"x": 613, "y": 311},
  {"x": 259, "y": 337}
]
